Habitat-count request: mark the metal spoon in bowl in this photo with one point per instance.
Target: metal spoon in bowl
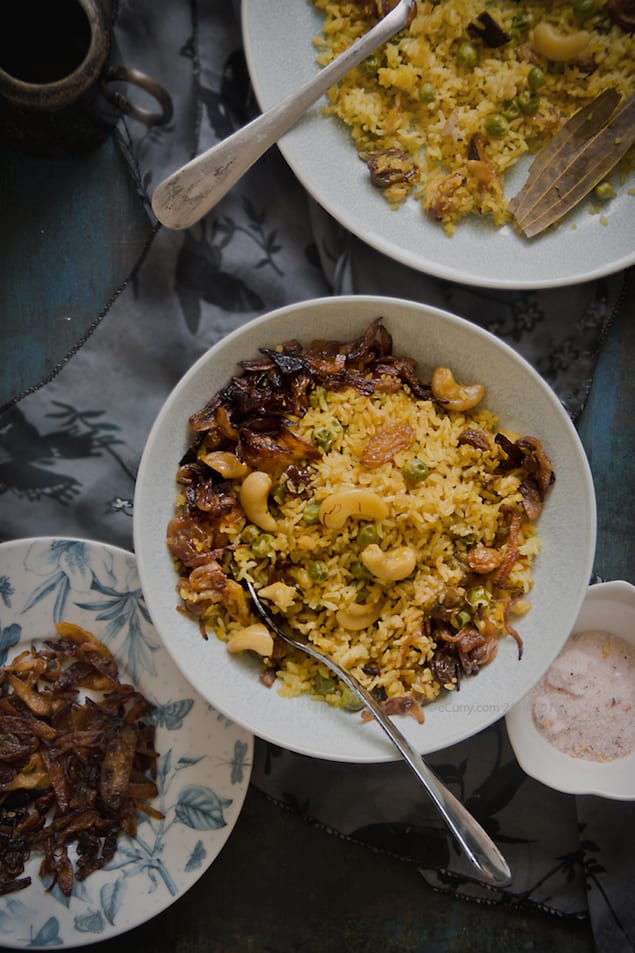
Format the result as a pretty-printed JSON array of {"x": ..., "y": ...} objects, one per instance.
[
  {"x": 478, "y": 846},
  {"x": 188, "y": 194}
]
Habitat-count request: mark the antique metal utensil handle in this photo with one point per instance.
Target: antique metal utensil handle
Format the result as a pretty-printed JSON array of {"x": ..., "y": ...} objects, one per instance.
[
  {"x": 188, "y": 194},
  {"x": 478, "y": 846}
]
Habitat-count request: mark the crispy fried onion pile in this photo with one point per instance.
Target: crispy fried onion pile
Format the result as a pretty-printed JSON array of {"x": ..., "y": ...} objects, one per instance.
[
  {"x": 73, "y": 770},
  {"x": 247, "y": 426}
]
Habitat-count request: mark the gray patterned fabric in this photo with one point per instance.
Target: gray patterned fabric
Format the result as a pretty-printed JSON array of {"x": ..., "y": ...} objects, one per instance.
[{"x": 70, "y": 452}]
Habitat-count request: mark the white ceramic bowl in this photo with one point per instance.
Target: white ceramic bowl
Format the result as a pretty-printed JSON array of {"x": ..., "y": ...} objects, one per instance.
[
  {"x": 608, "y": 607},
  {"x": 562, "y": 572}
]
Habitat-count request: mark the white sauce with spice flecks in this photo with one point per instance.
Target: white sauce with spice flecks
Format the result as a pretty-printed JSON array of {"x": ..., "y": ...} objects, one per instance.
[{"x": 585, "y": 704}]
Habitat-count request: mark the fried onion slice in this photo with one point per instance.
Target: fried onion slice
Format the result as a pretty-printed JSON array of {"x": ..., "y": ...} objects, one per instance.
[{"x": 75, "y": 768}]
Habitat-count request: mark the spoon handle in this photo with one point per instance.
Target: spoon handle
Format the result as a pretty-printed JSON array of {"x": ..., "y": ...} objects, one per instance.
[
  {"x": 190, "y": 192},
  {"x": 476, "y": 843},
  {"x": 479, "y": 847}
]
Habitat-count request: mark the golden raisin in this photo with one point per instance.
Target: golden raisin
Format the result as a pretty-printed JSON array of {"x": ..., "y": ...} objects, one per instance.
[
  {"x": 483, "y": 559},
  {"x": 385, "y": 443}
]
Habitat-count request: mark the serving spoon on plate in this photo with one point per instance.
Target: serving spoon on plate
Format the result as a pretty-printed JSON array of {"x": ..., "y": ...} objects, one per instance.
[
  {"x": 191, "y": 191},
  {"x": 478, "y": 846}
]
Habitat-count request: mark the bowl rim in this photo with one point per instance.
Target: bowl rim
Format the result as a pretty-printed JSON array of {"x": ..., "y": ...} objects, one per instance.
[
  {"x": 364, "y": 309},
  {"x": 541, "y": 760}
]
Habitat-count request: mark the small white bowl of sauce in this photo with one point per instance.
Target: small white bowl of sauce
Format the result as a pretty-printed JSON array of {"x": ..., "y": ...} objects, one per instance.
[{"x": 575, "y": 730}]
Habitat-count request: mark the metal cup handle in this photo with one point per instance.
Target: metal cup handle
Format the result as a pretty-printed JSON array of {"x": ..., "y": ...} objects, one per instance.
[{"x": 136, "y": 78}]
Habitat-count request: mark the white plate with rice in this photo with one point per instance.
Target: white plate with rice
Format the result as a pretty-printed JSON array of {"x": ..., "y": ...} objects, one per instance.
[
  {"x": 319, "y": 150},
  {"x": 566, "y": 528}
]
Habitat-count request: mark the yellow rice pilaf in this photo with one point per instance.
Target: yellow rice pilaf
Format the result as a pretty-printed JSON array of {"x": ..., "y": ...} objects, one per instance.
[
  {"x": 440, "y": 518},
  {"x": 441, "y": 115},
  {"x": 451, "y": 491}
]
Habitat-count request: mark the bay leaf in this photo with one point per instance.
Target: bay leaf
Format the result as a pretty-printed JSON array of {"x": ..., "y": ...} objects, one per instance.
[
  {"x": 549, "y": 162},
  {"x": 590, "y": 164}
]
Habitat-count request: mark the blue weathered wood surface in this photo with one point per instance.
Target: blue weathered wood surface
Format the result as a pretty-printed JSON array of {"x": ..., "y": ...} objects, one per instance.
[
  {"x": 607, "y": 429},
  {"x": 51, "y": 296}
]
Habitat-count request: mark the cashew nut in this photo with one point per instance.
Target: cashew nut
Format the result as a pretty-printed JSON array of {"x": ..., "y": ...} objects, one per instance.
[
  {"x": 254, "y": 638},
  {"x": 389, "y": 565},
  {"x": 358, "y": 615},
  {"x": 455, "y": 396},
  {"x": 558, "y": 47},
  {"x": 254, "y": 493},
  {"x": 280, "y": 594},
  {"x": 225, "y": 463},
  {"x": 356, "y": 503}
]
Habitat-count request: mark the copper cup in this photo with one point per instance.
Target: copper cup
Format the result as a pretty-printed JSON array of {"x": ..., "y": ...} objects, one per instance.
[{"x": 62, "y": 89}]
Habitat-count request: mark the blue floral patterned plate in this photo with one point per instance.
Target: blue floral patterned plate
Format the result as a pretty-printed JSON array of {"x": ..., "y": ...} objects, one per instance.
[{"x": 204, "y": 764}]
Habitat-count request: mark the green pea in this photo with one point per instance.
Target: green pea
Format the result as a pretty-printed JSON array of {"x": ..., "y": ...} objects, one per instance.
[
  {"x": 522, "y": 21},
  {"x": 478, "y": 596},
  {"x": 367, "y": 534},
  {"x": 317, "y": 397},
  {"x": 311, "y": 512},
  {"x": 496, "y": 126},
  {"x": 536, "y": 78},
  {"x": 263, "y": 545},
  {"x": 469, "y": 539},
  {"x": 583, "y": 9},
  {"x": 520, "y": 26},
  {"x": 279, "y": 493},
  {"x": 466, "y": 54},
  {"x": 427, "y": 93},
  {"x": 318, "y": 571},
  {"x": 604, "y": 191},
  {"x": 416, "y": 470},
  {"x": 528, "y": 101},
  {"x": 510, "y": 110},
  {"x": 250, "y": 533},
  {"x": 324, "y": 685},
  {"x": 350, "y": 701},
  {"x": 370, "y": 66},
  {"x": 359, "y": 571},
  {"x": 323, "y": 438}
]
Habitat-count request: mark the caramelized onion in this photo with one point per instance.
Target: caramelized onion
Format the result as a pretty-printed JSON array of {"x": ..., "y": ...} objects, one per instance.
[{"x": 72, "y": 770}]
